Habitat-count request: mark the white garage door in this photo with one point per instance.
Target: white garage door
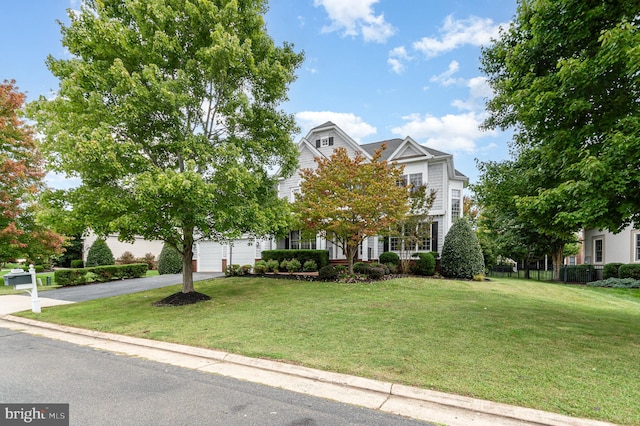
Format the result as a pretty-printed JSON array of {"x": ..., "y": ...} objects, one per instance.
[
  {"x": 242, "y": 252},
  {"x": 209, "y": 256}
]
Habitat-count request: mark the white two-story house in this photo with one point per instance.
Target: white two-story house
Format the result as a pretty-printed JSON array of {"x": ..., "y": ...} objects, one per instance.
[{"x": 422, "y": 165}]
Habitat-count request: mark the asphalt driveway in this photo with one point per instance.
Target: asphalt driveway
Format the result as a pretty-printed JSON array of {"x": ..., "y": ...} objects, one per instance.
[{"x": 115, "y": 288}]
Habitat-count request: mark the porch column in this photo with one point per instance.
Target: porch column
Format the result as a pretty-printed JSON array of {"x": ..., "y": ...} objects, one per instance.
[{"x": 365, "y": 249}]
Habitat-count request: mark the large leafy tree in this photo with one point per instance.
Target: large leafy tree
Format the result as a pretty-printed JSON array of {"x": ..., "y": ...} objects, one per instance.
[
  {"x": 169, "y": 113},
  {"x": 348, "y": 199},
  {"x": 21, "y": 178},
  {"x": 566, "y": 77},
  {"x": 518, "y": 232}
]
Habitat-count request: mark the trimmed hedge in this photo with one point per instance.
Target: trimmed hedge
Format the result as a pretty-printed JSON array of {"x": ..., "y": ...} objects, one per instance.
[
  {"x": 100, "y": 274},
  {"x": 389, "y": 257},
  {"x": 610, "y": 270},
  {"x": 321, "y": 257},
  {"x": 77, "y": 263},
  {"x": 630, "y": 270}
]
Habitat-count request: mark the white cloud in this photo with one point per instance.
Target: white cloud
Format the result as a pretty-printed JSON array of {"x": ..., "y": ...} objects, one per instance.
[
  {"x": 479, "y": 92},
  {"x": 396, "y": 58},
  {"x": 353, "y": 125},
  {"x": 354, "y": 17},
  {"x": 455, "y": 33},
  {"x": 60, "y": 181},
  {"x": 449, "y": 133},
  {"x": 446, "y": 78}
]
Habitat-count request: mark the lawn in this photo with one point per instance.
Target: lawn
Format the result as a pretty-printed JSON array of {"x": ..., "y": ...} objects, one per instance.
[{"x": 567, "y": 349}]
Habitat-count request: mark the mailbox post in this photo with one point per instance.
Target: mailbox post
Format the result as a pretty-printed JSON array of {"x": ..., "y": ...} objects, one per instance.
[
  {"x": 20, "y": 283},
  {"x": 35, "y": 302}
]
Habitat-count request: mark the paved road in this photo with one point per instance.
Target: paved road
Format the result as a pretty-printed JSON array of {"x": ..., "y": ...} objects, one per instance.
[
  {"x": 97, "y": 291},
  {"x": 103, "y": 388}
]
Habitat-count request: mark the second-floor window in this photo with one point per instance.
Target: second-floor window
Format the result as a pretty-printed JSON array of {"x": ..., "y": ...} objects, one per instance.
[
  {"x": 413, "y": 179},
  {"x": 324, "y": 142},
  {"x": 455, "y": 204}
]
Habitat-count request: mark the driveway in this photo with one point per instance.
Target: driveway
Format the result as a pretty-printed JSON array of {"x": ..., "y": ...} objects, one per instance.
[{"x": 22, "y": 302}]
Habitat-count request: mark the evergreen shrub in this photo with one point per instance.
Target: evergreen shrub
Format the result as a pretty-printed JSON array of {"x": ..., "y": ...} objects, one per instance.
[
  {"x": 629, "y": 270},
  {"x": 389, "y": 257},
  {"x": 99, "y": 254},
  {"x": 328, "y": 273},
  {"x": 425, "y": 264},
  {"x": 321, "y": 257},
  {"x": 310, "y": 266},
  {"x": 610, "y": 270},
  {"x": 169, "y": 261},
  {"x": 461, "y": 253}
]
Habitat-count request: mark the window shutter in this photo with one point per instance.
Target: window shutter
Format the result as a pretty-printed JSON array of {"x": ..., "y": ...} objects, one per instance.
[
  {"x": 331, "y": 141},
  {"x": 317, "y": 143},
  {"x": 434, "y": 236}
]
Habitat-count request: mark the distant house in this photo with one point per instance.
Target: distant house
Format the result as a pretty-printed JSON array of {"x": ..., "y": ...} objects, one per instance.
[
  {"x": 422, "y": 165},
  {"x": 602, "y": 247},
  {"x": 139, "y": 248}
]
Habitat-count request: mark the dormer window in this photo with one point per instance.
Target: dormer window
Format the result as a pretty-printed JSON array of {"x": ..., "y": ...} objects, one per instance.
[{"x": 324, "y": 142}]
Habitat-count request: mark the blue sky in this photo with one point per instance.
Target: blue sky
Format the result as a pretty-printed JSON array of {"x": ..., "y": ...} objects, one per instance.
[{"x": 379, "y": 69}]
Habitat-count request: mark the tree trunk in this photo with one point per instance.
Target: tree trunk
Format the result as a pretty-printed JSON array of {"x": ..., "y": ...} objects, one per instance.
[
  {"x": 187, "y": 270},
  {"x": 350, "y": 252},
  {"x": 556, "y": 257},
  {"x": 187, "y": 261}
]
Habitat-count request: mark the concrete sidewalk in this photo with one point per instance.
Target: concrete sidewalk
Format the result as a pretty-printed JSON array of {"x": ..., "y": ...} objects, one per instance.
[
  {"x": 392, "y": 398},
  {"x": 11, "y": 303}
]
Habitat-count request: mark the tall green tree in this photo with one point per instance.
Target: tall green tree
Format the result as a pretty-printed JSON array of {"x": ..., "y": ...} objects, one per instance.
[
  {"x": 348, "y": 199},
  {"x": 169, "y": 113},
  {"x": 518, "y": 232},
  {"x": 566, "y": 77}
]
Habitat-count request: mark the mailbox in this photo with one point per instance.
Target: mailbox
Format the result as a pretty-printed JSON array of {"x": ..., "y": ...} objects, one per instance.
[{"x": 14, "y": 278}]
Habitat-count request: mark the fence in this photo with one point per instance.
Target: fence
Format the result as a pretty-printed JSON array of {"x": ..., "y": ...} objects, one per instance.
[
  {"x": 568, "y": 274},
  {"x": 534, "y": 274},
  {"x": 581, "y": 273}
]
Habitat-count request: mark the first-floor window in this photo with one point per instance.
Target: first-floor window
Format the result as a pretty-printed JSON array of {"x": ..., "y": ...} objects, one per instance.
[
  {"x": 598, "y": 252},
  {"x": 637, "y": 236},
  {"x": 398, "y": 243},
  {"x": 297, "y": 242}
]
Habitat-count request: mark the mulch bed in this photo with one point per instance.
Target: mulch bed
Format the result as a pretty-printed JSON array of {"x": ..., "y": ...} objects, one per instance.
[{"x": 181, "y": 299}]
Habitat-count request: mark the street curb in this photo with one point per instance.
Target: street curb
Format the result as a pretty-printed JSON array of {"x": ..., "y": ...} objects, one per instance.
[{"x": 396, "y": 396}]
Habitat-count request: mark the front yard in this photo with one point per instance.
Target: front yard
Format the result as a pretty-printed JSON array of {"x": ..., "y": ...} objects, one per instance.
[{"x": 571, "y": 350}]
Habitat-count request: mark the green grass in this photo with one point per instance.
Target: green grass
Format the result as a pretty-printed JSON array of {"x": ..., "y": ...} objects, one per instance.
[{"x": 567, "y": 349}]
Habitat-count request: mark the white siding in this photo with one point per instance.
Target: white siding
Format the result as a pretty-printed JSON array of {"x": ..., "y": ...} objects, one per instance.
[
  {"x": 617, "y": 248},
  {"x": 436, "y": 181}
]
